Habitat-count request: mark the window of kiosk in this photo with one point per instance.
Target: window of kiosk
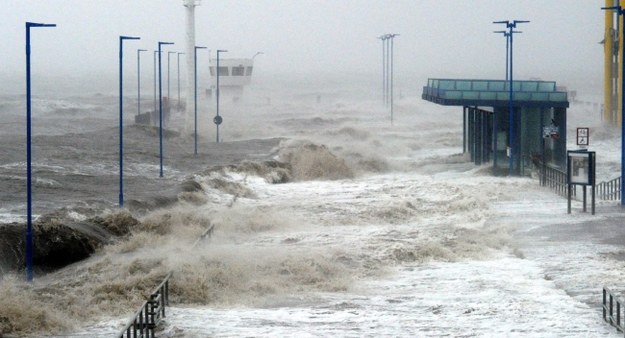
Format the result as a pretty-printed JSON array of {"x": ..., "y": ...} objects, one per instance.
[{"x": 238, "y": 71}]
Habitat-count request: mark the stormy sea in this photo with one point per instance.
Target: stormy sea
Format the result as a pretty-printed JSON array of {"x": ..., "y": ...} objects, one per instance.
[{"x": 328, "y": 217}]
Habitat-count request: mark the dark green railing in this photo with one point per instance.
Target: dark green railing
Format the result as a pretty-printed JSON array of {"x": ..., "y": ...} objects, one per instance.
[
  {"x": 145, "y": 321},
  {"x": 610, "y": 190},
  {"x": 555, "y": 179},
  {"x": 613, "y": 309}
]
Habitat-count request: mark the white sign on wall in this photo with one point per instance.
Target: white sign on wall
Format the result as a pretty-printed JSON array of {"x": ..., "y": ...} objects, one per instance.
[{"x": 583, "y": 136}]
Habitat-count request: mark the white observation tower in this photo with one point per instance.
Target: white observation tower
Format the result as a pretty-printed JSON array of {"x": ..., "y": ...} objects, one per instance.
[{"x": 190, "y": 50}]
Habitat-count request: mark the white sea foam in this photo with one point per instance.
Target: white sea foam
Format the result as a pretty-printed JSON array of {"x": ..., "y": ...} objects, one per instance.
[{"x": 416, "y": 241}]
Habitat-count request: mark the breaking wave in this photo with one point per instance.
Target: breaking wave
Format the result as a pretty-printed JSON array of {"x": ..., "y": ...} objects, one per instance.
[{"x": 309, "y": 161}]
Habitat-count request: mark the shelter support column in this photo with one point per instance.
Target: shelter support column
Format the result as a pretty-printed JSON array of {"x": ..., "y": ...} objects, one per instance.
[{"x": 464, "y": 129}]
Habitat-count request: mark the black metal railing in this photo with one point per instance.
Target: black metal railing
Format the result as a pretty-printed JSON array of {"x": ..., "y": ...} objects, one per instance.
[
  {"x": 555, "y": 179},
  {"x": 613, "y": 309},
  {"x": 145, "y": 321},
  {"x": 207, "y": 233},
  {"x": 610, "y": 190}
]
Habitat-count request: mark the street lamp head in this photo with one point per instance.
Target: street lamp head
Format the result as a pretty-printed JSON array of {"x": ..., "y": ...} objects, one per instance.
[
  {"x": 142, "y": 50},
  {"x": 160, "y": 43},
  {"x": 200, "y": 47},
  {"x": 121, "y": 37},
  {"x": 511, "y": 24},
  {"x": 35, "y": 24},
  {"x": 180, "y": 53},
  {"x": 222, "y": 51},
  {"x": 255, "y": 55}
]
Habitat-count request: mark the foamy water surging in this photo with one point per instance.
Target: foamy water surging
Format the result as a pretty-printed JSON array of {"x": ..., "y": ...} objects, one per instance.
[{"x": 328, "y": 221}]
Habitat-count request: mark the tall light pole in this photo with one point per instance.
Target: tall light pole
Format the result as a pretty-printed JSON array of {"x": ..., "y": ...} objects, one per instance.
[
  {"x": 383, "y": 39},
  {"x": 392, "y": 37},
  {"x": 506, "y": 35},
  {"x": 29, "y": 197},
  {"x": 218, "y": 120},
  {"x": 511, "y": 25},
  {"x": 121, "y": 116},
  {"x": 155, "y": 75},
  {"x": 139, "y": 79},
  {"x": 620, "y": 11},
  {"x": 195, "y": 94},
  {"x": 168, "y": 97},
  {"x": 495, "y": 122},
  {"x": 160, "y": 102},
  {"x": 179, "y": 105},
  {"x": 388, "y": 56}
]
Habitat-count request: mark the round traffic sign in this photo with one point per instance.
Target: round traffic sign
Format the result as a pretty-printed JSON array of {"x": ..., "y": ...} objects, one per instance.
[{"x": 218, "y": 120}]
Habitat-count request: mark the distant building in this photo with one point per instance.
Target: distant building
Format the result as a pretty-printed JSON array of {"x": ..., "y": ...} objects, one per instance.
[{"x": 234, "y": 75}]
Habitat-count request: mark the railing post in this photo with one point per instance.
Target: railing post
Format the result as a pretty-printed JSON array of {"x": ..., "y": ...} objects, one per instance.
[
  {"x": 618, "y": 314},
  {"x": 611, "y": 311},
  {"x": 604, "y": 305}
]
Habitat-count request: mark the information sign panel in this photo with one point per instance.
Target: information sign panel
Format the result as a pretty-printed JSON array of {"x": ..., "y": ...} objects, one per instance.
[{"x": 583, "y": 136}]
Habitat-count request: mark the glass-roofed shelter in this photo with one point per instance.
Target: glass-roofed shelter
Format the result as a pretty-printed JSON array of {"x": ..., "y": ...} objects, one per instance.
[{"x": 538, "y": 121}]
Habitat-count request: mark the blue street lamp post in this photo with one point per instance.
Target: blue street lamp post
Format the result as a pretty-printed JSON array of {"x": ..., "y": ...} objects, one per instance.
[
  {"x": 155, "y": 52},
  {"x": 388, "y": 57},
  {"x": 139, "y": 79},
  {"x": 168, "y": 97},
  {"x": 511, "y": 25},
  {"x": 195, "y": 93},
  {"x": 506, "y": 35},
  {"x": 160, "y": 103},
  {"x": 121, "y": 115},
  {"x": 387, "y": 70},
  {"x": 29, "y": 200},
  {"x": 179, "y": 106},
  {"x": 621, "y": 11},
  {"x": 392, "y": 37},
  {"x": 218, "y": 118},
  {"x": 383, "y": 39}
]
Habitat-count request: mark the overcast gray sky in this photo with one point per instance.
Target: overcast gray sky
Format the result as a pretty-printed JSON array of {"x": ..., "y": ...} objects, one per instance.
[{"x": 438, "y": 37}]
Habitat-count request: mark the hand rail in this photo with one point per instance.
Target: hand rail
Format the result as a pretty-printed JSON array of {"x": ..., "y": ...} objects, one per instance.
[
  {"x": 610, "y": 190},
  {"x": 555, "y": 179},
  {"x": 614, "y": 319},
  {"x": 151, "y": 313},
  {"x": 146, "y": 319}
]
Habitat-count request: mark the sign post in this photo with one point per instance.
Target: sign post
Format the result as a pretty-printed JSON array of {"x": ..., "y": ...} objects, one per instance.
[{"x": 581, "y": 171}]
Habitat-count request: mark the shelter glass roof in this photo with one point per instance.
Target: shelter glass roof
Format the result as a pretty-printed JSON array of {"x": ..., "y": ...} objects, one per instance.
[{"x": 493, "y": 93}]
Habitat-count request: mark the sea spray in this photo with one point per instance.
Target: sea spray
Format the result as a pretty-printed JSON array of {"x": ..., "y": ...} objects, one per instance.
[{"x": 310, "y": 161}]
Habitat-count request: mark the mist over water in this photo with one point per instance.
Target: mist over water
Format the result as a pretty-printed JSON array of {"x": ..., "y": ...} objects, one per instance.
[{"x": 320, "y": 207}]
